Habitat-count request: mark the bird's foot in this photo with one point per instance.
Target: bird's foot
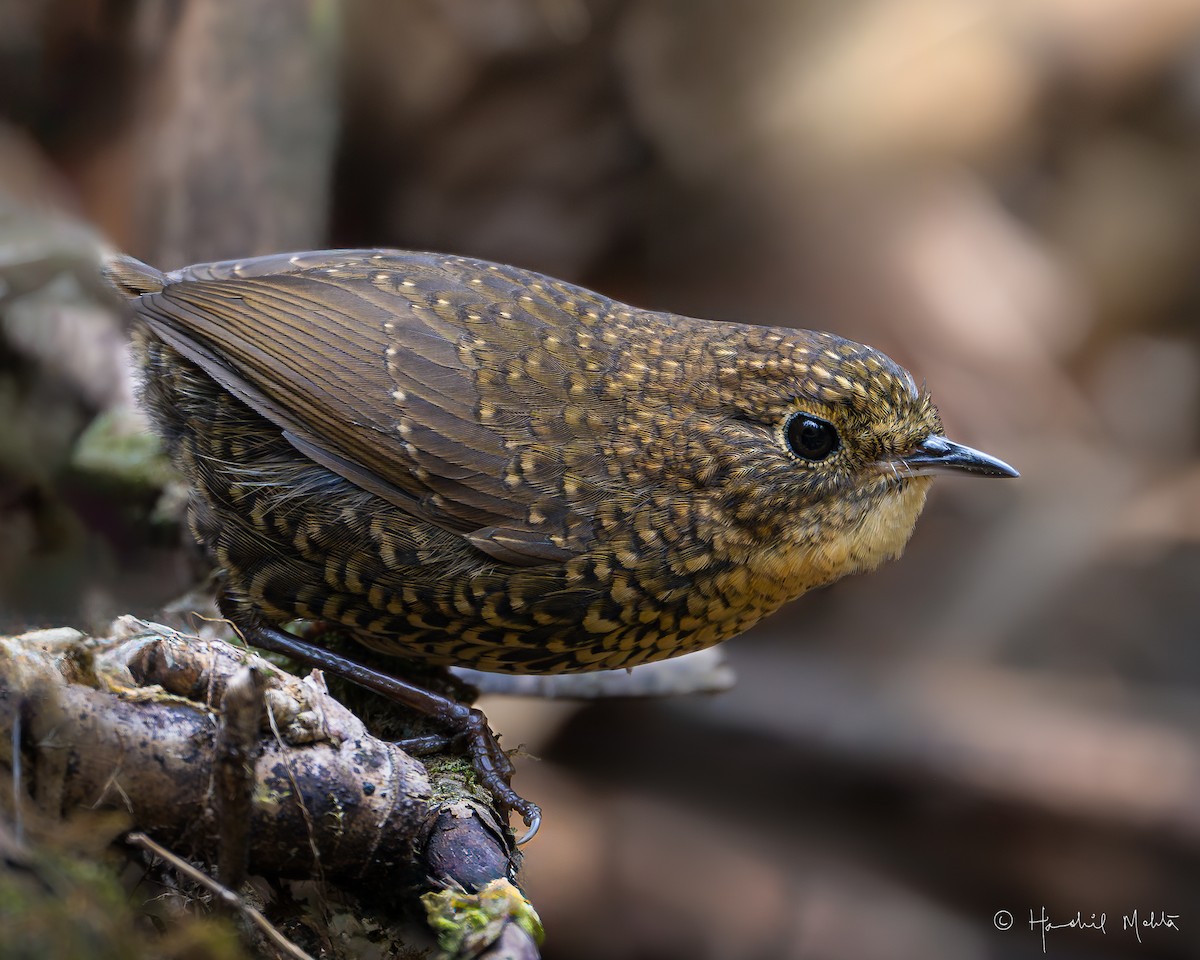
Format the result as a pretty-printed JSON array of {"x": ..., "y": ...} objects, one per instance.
[
  {"x": 466, "y": 727},
  {"x": 489, "y": 761}
]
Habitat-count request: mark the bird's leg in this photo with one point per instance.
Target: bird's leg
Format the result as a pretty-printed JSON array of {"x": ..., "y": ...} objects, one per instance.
[{"x": 466, "y": 725}]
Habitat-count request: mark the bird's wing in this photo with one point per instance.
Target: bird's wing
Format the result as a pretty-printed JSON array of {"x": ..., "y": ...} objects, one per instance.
[{"x": 455, "y": 389}]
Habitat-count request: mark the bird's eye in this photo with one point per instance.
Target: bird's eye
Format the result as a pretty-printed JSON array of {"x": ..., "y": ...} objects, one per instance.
[{"x": 811, "y": 438}]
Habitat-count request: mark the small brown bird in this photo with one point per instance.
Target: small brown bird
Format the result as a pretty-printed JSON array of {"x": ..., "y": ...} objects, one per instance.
[{"x": 468, "y": 463}]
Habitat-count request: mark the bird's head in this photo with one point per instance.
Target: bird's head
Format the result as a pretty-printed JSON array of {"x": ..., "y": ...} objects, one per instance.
[{"x": 820, "y": 452}]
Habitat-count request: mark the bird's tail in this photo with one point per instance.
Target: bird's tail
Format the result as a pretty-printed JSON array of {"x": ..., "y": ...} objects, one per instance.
[{"x": 130, "y": 277}]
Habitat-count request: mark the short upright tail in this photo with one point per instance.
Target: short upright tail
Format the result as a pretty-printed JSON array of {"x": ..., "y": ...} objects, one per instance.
[{"x": 131, "y": 277}]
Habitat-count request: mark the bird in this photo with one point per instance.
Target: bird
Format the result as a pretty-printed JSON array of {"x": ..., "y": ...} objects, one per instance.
[{"x": 473, "y": 464}]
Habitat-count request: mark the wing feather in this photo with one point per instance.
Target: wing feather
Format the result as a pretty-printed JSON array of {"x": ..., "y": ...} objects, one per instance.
[{"x": 437, "y": 383}]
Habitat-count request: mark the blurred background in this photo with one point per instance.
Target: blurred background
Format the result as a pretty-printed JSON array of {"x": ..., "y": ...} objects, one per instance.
[{"x": 1004, "y": 195}]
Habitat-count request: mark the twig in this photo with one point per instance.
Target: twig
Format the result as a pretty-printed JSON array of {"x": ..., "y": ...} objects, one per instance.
[
  {"x": 233, "y": 771},
  {"x": 18, "y": 817}
]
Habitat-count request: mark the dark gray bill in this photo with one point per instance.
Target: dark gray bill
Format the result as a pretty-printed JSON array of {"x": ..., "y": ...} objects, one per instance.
[{"x": 936, "y": 454}]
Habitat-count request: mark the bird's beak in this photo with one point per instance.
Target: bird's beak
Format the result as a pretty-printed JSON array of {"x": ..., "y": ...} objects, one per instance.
[{"x": 936, "y": 454}]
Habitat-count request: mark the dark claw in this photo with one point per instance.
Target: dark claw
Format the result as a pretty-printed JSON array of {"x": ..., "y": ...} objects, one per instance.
[
  {"x": 494, "y": 770},
  {"x": 533, "y": 819}
]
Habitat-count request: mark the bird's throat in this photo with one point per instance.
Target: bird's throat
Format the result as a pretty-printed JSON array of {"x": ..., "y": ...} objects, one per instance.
[{"x": 791, "y": 567}]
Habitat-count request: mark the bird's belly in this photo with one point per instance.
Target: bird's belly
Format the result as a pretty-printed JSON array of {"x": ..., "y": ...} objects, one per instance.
[
  {"x": 553, "y": 619},
  {"x": 412, "y": 590}
]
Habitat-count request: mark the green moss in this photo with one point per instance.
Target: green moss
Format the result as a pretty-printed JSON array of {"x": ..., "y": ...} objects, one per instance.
[{"x": 466, "y": 923}]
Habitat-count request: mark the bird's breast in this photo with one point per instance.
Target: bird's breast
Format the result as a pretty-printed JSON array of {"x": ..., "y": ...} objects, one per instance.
[{"x": 852, "y": 536}]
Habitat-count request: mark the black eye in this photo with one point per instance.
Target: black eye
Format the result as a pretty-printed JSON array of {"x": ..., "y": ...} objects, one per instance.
[{"x": 811, "y": 438}]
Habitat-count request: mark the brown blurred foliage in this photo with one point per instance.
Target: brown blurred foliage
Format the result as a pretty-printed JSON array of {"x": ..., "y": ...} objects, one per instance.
[{"x": 1003, "y": 194}]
